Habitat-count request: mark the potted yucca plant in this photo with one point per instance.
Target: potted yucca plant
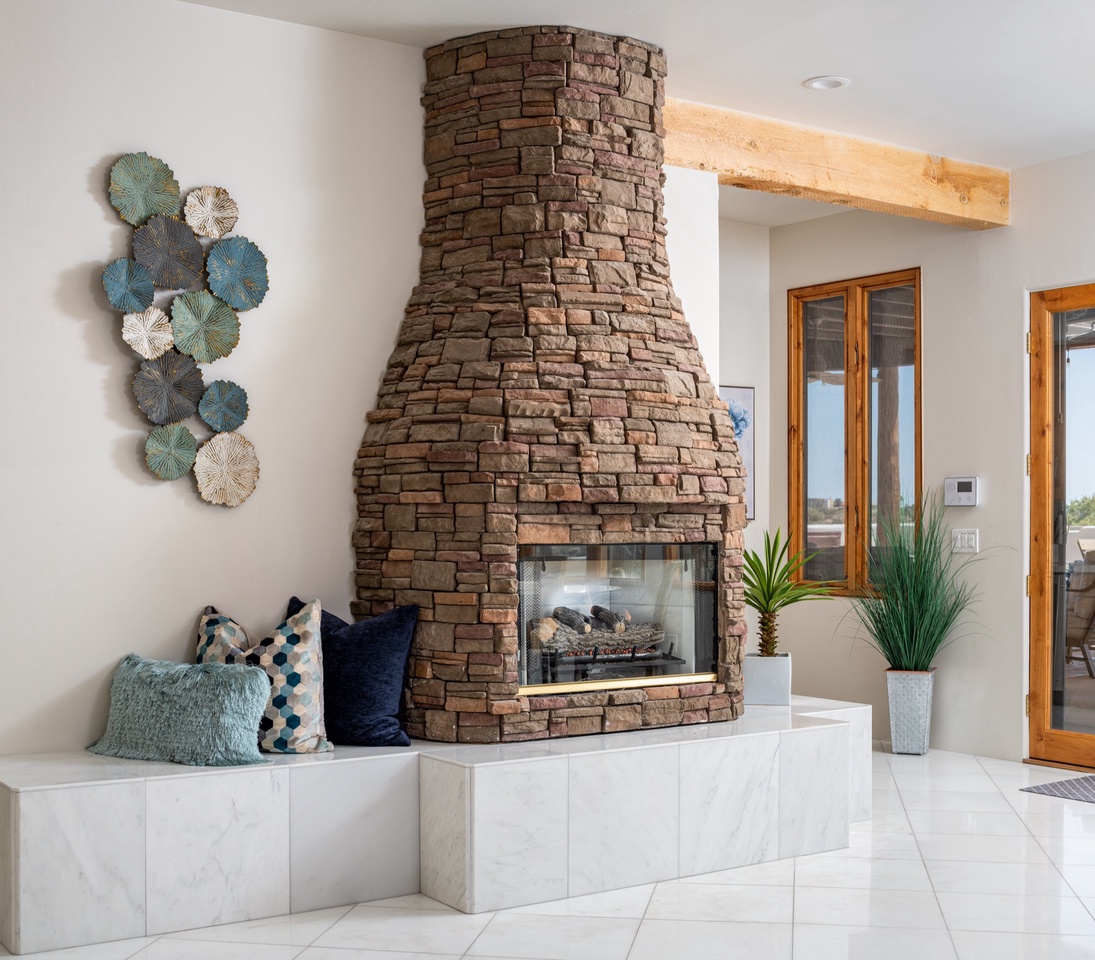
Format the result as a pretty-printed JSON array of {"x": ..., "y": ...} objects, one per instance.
[
  {"x": 770, "y": 585},
  {"x": 909, "y": 611}
]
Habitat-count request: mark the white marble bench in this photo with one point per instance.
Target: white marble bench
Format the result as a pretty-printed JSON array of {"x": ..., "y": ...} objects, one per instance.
[{"x": 95, "y": 849}]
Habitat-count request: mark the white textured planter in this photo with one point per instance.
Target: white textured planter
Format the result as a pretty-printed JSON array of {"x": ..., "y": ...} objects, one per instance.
[
  {"x": 766, "y": 680},
  {"x": 910, "y": 695}
]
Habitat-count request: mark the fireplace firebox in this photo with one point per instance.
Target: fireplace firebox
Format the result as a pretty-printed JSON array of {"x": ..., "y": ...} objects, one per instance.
[{"x": 617, "y": 615}]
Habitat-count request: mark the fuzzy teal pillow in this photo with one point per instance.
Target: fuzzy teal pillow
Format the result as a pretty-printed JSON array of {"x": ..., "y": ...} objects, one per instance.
[{"x": 200, "y": 714}]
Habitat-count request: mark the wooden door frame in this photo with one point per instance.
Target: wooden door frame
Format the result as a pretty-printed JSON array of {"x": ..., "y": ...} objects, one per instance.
[{"x": 1060, "y": 746}]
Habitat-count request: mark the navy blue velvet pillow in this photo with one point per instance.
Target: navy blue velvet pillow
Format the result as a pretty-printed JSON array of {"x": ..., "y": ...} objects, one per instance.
[{"x": 363, "y": 665}]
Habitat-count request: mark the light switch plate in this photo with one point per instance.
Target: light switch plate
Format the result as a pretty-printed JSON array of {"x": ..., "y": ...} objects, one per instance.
[{"x": 965, "y": 541}]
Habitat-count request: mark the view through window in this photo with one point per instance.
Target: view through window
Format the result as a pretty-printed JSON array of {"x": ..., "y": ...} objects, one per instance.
[{"x": 854, "y": 412}]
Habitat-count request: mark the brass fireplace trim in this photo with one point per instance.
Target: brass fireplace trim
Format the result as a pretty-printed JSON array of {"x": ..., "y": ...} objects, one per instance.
[{"x": 582, "y": 686}]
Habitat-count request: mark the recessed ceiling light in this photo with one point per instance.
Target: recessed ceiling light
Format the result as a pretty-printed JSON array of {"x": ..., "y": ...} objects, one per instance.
[{"x": 826, "y": 83}]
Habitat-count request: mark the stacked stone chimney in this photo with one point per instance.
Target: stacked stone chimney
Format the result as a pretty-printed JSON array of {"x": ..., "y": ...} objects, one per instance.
[{"x": 545, "y": 387}]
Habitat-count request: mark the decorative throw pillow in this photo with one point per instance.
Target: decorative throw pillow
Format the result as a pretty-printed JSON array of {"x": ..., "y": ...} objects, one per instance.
[
  {"x": 201, "y": 714},
  {"x": 363, "y": 676},
  {"x": 292, "y": 658}
]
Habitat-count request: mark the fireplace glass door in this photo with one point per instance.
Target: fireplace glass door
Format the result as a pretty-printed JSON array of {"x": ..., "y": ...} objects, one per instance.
[{"x": 616, "y": 615}]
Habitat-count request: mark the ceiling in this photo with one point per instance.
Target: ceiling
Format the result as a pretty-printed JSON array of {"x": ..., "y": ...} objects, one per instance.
[{"x": 998, "y": 82}]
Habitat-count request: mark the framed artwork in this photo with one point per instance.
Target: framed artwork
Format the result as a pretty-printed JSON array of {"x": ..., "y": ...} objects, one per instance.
[{"x": 740, "y": 400}]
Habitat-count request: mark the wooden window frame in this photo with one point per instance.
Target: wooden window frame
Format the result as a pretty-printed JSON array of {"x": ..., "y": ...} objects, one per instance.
[{"x": 857, "y": 404}]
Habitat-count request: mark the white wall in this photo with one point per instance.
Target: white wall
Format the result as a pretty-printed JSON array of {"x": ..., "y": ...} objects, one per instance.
[
  {"x": 975, "y": 315},
  {"x": 318, "y": 137},
  {"x": 744, "y": 355},
  {"x": 692, "y": 245}
]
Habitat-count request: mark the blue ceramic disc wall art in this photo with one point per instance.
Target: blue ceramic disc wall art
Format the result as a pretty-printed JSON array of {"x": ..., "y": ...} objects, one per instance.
[
  {"x": 198, "y": 325},
  {"x": 128, "y": 286},
  {"x": 170, "y": 451},
  {"x": 237, "y": 272},
  {"x": 206, "y": 328},
  {"x": 168, "y": 388},
  {"x": 224, "y": 406},
  {"x": 141, "y": 187},
  {"x": 168, "y": 249}
]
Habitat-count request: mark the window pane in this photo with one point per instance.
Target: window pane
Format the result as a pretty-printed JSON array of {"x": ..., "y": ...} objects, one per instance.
[
  {"x": 891, "y": 320},
  {"x": 823, "y": 439}
]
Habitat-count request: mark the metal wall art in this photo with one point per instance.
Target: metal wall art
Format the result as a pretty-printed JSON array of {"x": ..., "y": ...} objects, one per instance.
[{"x": 201, "y": 277}]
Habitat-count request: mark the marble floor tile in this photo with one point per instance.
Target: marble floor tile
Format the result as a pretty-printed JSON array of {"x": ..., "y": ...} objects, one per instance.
[
  {"x": 978, "y": 782},
  {"x": 867, "y": 908},
  {"x": 165, "y": 949},
  {"x": 939, "y": 760},
  {"x": 1070, "y": 850},
  {"x": 417, "y": 931},
  {"x": 861, "y": 873},
  {"x": 1065, "y": 823},
  {"x": 893, "y": 820},
  {"x": 693, "y": 939},
  {"x": 630, "y": 902},
  {"x": 412, "y": 901},
  {"x": 882, "y": 845},
  {"x": 513, "y": 935},
  {"x": 986, "y": 848},
  {"x": 114, "y": 950},
  {"x": 1011, "y": 913},
  {"x": 968, "y": 823},
  {"x": 775, "y": 872},
  {"x": 721, "y": 902},
  {"x": 831, "y": 942},
  {"x": 338, "y": 953},
  {"x": 296, "y": 929},
  {"x": 970, "y": 800},
  {"x": 1080, "y": 878},
  {"x": 1024, "y": 803},
  {"x": 962, "y": 876},
  {"x": 1021, "y": 946}
]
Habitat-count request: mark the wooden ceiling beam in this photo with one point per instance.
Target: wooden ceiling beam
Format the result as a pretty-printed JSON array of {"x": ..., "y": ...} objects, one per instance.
[{"x": 759, "y": 153}]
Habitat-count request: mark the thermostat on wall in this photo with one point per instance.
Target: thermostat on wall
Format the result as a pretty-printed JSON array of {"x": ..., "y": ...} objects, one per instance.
[{"x": 960, "y": 492}]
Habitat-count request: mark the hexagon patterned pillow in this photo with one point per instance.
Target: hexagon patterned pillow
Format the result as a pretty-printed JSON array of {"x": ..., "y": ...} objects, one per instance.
[{"x": 292, "y": 658}]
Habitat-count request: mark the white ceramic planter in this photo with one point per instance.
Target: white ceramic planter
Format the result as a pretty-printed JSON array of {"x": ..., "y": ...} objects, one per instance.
[
  {"x": 767, "y": 680},
  {"x": 910, "y": 696}
]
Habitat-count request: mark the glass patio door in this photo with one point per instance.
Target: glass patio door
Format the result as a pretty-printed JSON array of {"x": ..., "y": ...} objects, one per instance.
[{"x": 1062, "y": 584}]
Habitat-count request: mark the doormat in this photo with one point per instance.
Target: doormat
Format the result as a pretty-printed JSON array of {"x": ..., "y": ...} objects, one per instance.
[{"x": 1079, "y": 788}]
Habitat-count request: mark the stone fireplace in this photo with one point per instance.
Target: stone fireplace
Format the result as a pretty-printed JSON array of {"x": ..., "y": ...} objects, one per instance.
[{"x": 546, "y": 407}]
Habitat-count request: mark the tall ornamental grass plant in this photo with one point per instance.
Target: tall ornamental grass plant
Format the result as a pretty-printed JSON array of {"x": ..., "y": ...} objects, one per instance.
[{"x": 916, "y": 595}]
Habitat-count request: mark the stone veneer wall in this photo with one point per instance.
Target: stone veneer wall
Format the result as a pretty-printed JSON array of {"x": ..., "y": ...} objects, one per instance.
[{"x": 545, "y": 387}]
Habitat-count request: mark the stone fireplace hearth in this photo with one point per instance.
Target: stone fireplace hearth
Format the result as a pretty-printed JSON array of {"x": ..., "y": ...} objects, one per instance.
[{"x": 545, "y": 391}]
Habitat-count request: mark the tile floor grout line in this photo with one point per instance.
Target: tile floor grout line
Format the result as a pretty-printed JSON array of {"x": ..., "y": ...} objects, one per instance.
[{"x": 923, "y": 863}]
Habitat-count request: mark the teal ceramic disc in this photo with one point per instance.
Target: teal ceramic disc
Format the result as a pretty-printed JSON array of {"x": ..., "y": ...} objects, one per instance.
[
  {"x": 205, "y": 328},
  {"x": 170, "y": 451},
  {"x": 141, "y": 187},
  {"x": 224, "y": 405},
  {"x": 237, "y": 272},
  {"x": 128, "y": 286}
]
